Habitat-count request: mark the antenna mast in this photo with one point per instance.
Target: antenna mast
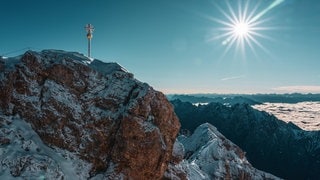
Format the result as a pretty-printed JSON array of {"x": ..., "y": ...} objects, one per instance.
[{"x": 89, "y": 28}]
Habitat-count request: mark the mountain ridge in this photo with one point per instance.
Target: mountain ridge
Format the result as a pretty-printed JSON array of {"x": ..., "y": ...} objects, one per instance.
[{"x": 207, "y": 154}]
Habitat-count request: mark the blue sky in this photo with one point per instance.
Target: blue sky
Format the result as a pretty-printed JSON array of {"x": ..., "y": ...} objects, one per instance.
[{"x": 173, "y": 44}]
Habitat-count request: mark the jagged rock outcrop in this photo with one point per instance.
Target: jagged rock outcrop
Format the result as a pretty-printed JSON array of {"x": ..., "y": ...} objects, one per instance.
[
  {"x": 95, "y": 110},
  {"x": 209, "y": 155},
  {"x": 271, "y": 145}
]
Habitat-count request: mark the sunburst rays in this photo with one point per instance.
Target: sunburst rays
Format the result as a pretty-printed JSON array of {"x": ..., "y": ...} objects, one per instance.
[{"x": 242, "y": 26}]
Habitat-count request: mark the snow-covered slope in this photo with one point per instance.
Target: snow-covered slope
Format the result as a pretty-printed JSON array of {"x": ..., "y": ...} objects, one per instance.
[
  {"x": 209, "y": 155},
  {"x": 90, "y": 112},
  {"x": 24, "y": 155}
]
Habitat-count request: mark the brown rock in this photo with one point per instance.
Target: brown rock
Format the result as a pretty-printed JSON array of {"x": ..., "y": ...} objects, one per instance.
[{"x": 106, "y": 117}]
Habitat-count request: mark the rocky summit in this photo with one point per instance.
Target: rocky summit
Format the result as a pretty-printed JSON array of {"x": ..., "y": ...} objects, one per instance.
[{"x": 65, "y": 116}]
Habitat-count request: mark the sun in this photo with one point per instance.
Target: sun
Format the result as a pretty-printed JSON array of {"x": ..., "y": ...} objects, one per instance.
[
  {"x": 243, "y": 25},
  {"x": 241, "y": 29}
]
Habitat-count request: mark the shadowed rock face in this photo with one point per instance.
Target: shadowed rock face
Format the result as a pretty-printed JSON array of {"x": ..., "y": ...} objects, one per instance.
[{"x": 96, "y": 110}]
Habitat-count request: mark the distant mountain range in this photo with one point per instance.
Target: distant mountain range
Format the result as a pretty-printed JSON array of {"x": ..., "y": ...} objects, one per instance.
[
  {"x": 272, "y": 145},
  {"x": 246, "y": 98}
]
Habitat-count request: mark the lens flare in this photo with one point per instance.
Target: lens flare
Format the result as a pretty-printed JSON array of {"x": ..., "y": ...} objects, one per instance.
[{"x": 243, "y": 25}]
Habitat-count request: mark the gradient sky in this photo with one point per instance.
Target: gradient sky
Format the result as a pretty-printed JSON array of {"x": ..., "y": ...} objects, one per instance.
[{"x": 173, "y": 44}]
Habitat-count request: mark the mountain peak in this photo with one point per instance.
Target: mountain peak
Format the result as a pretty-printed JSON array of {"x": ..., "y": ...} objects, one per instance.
[{"x": 97, "y": 112}]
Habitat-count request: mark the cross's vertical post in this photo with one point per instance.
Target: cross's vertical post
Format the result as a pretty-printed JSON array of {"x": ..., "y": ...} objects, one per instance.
[{"x": 89, "y": 28}]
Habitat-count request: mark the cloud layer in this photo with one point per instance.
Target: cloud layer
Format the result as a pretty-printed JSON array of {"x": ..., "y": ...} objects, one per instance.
[{"x": 306, "y": 115}]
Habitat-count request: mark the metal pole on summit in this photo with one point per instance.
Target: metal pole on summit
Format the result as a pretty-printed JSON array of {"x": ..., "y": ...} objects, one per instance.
[{"x": 89, "y": 28}]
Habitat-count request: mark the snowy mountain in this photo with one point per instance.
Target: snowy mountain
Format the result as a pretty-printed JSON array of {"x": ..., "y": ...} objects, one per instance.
[
  {"x": 209, "y": 155},
  {"x": 65, "y": 116},
  {"x": 272, "y": 145}
]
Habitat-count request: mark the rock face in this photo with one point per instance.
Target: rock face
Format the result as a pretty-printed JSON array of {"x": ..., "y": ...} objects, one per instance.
[
  {"x": 209, "y": 155},
  {"x": 271, "y": 145},
  {"x": 95, "y": 110}
]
